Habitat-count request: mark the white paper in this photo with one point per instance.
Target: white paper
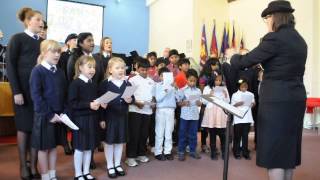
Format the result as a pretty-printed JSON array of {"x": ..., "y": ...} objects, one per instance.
[
  {"x": 128, "y": 92},
  {"x": 167, "y": 78},
  {"x": 66, "y": 120},
  {"x": 224, "y": 105},
  {"x": 193, "y": 98},
  {"x": 218, "y": 91},
  {"x": 247, "y": 99},
  {"x": 107, "y": 97}
]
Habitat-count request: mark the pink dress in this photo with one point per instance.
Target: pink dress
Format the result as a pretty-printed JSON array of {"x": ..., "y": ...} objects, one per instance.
[{"x": 214, "y": 116}]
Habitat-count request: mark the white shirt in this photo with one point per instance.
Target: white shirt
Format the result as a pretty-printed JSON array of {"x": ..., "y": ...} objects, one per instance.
[
  {"x": 117, "y": 82},
  {"x": 105, "y": 54},
  {"x": 90, "y": 54},
  {"x": 237, "y": 97},
  {"x": 190, "y": 112},
  {"x": 45, "y": 64},
  {"x": 83, "y": 78},
  {"x": 31, "y": 34},
  {"x": 144, "y": 93}
]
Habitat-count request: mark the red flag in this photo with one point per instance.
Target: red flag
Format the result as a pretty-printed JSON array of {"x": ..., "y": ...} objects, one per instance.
[
  {"x": 233, "y": 44},
  {"x": 214, "y": 45},
  {"x": 203, "y": 47}
]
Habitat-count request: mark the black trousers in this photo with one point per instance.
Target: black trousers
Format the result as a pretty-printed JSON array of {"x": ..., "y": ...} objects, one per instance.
[
  {"x": 152, "y": 130},
  {"x": 221, "y": 132},
  {"x": 203, "y": 131},
  {"x": 175, "y": 133},
  {"x": 241, "y": 133},
  {"x": 138, "y": 134}
]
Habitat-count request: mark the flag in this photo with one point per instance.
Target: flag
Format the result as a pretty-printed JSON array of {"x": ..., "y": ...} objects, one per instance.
[
  {"x": 242, "y": 43},
  {"x": 214, "y": 46},
  {"x": 233, "y": 43},
  {"x": 203, "y": 47},
  {"x": 225, "y": 41}
]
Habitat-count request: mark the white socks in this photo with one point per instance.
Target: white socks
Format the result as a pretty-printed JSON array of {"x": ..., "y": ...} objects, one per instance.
[
  {"x": 45, "y": 176},
  {"x": 117, "y": 154},
  {"x": 113, "y": 150},
  {"x": 52, "y": 174},
  {"x": 86, "y": 161},
  {"x": 77, "y": 161}
]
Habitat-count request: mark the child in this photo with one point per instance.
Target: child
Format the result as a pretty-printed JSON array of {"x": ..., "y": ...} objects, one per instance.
[
  {"x": 242, "y": 126},
  {"x": 82, "y": 93},
  {"x": 173, "y": 59},
  {"x": 166, "y": 104},
  {"x": 160, "y": 63},
  {"x": 181, "y": 78},
  {"x": 152, "y": 58},
  {"x": 188, "y": 128},
  {"x": 214, "y": 117},
  {"x": 115, "y": 116},
  {"x": 48, "y": 91},
  {"x": 140, "y": 114}
]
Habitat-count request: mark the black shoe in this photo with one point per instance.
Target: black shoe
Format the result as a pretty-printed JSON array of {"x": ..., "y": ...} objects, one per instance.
[
  {"x": 169, "y": 157},
  {"x": 87, "y": 178},
  {"x": 160, "y": 157},
  {"x": 35, "y": 176},
  {"x": 247, "y": 156},
  {"x": 112, "y": 175},
  {"x": 214, "y": 156},
  {"x": 76, "y": 178},
  {"x": 120, "y": 171},
  {"x": 237, "y": 156}
]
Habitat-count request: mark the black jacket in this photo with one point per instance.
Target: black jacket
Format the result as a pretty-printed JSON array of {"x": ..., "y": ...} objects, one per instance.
[{"x": 283, "y": 56}]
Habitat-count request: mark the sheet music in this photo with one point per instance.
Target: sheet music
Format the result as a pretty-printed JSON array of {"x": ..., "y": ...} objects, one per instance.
[
  {"x": 167, "y": 78},
  {"x": 128, "y": 92},
  {"x": 193, "y": 98},
  {"x": 247, "y": 99},
  {"x": 107, "y": 97},
  {"x": 224, "y": 105},
  {"x": 218, "y": 91},
  {"x": 66, "y": 120}
]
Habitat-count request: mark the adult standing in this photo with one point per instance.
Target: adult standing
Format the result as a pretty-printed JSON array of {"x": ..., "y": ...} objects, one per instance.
[
  {"x": 282, "y": 53},
  {"x": 22, "y": 53}
]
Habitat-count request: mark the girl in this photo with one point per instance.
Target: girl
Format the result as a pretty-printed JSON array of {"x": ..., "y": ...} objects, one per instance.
[
  {"x": 214, "y": 118},
  {"x": 242, "y": 126},
  {"x": 48, "y": 92},
  {"x": 85, "y": 46},
  {"x": 115, "y": 116},
  {"x": 22, "y": 52},
  {"x": 211, "y": 65},
  {"x": 82, "y": 93}
]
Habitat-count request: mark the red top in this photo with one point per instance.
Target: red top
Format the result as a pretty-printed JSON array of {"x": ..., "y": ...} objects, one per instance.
[{"x": 312, "y": 103}]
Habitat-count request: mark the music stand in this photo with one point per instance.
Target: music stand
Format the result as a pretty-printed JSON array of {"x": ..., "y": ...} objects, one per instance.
[{"x": 229, "y": 110}]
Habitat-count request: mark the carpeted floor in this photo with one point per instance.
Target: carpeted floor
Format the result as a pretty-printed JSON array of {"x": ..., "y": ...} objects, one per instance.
[{"x": 191, "y": 169}]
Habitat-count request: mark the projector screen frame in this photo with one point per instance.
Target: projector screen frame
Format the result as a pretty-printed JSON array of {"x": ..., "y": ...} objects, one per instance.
[{"x": 103, "y": 7}]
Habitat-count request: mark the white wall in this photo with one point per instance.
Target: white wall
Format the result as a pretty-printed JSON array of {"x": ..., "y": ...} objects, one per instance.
[
  {"x": 171, "y": 25},
  {"x": 247, "y": 14}
]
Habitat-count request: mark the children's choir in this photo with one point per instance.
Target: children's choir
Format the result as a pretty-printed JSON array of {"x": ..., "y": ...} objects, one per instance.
[{"x": 71, "y": 83}]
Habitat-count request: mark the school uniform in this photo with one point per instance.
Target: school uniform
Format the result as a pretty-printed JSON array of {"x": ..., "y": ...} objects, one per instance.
[
  {"x": 103, "y": 58},
  {"x": 116, "y": 113},
  {"x": 188, "y": 120},
  {"x": 166, "y": 104},
  {"x": 21, "y": 56},
  {"x": 63, "y": 61},
  {"x": 241, "y": 126},
  {"x": 48, "y": 92},
  {"x": 82, "y": 91},
  {"x": 139, "y": 119}
]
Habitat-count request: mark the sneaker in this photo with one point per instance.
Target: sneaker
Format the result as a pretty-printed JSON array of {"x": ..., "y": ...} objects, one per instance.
[
  {"x": 160, "y": 157},
  {"x": 195, "y": 155},
  {"x": 181, "y": 157},
  {"x": 169, "y": 157},
  {"x": 188, "y": 149},
  {"x": 143, "y": 159},
  {"x": 131, "y": 162}
]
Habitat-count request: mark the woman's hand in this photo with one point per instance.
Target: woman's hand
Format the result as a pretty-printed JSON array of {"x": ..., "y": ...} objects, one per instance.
[{"x": 18, "y": 99}]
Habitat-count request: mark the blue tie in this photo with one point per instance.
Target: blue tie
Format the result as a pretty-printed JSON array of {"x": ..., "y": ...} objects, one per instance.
[
  {"x": 53, "y": 69},
  {"x": 36, "y": 37}
]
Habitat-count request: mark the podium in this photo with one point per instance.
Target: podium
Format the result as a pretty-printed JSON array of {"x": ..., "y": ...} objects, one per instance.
[{"x": 229, "y": 110}]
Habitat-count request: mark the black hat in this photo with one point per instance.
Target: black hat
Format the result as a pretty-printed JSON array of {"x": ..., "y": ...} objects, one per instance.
[
  {"x": 173, "y": 52},
  {"x": 277, "y": 6},
  {"x": 71, "y": 36}
]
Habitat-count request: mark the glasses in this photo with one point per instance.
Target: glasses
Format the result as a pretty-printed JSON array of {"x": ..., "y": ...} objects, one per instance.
[{"x": 265, "y": 19}]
